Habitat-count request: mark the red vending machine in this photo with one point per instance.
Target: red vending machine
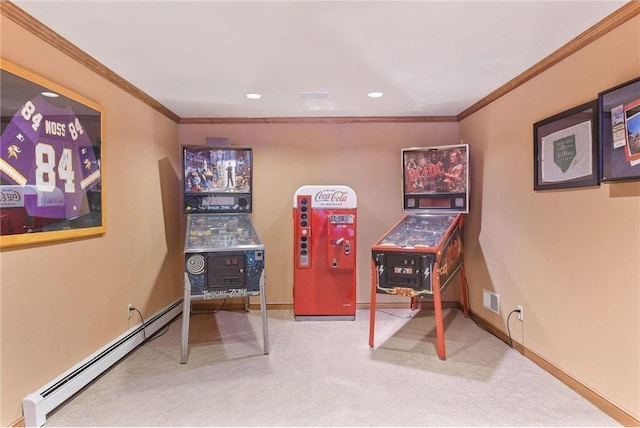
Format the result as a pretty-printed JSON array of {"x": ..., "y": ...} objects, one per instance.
[
  {"x": 324, "y": 242},
  {"x": 421, "y": 254}
]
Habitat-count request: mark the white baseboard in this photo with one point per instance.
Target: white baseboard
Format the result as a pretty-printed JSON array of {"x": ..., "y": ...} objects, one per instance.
[{"x": 38, "y": 404}]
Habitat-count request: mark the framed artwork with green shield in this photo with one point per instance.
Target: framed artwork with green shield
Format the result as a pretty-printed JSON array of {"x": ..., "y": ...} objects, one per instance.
[{"x": 565, "y": 149}]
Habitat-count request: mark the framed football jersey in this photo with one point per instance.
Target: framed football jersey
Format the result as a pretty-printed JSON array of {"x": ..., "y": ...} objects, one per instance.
[{"x": 50, "y": 161}]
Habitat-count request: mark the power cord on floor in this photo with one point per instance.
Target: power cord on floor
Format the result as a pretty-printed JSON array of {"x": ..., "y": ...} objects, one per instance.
[
  {"x": 159, "y": 333},
  {"x": 215, "y": 311},
  {"x": 156, "y": 335},
  {"x": 394, "y": 315},
  {"x": 144, "y": 332},
  {"x": 515, "y": 311}
]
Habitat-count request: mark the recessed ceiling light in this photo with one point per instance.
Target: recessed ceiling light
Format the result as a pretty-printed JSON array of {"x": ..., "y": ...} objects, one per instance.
[
  {"x": 253, "y": 96},
  {"x": 49, "y": 94},
  {"x": 375, "y": 94}
]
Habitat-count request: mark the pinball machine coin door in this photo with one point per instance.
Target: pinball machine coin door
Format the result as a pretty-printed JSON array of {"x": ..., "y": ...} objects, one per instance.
[{"x": 325, "y": 253}]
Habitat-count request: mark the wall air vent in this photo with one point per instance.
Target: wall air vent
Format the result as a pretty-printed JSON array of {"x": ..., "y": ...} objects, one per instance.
[{"x": 491, "y": 301}]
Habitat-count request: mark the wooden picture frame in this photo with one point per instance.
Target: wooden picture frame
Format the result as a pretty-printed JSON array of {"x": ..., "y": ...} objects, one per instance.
[
  {"x": 620, "y": 132},
  {"x": 565, "y": 149},
  {"x": 50, "y": 161}
]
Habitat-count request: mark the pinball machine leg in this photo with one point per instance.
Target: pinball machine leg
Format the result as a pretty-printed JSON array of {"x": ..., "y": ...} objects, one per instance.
[
  {"x": 372, "y": 308},
  {"x": 465, "y": 300},
  {"x": 265, "y": 327},
  {"x": 437, "y": 304},
  {"x": 186, "y": 313}
]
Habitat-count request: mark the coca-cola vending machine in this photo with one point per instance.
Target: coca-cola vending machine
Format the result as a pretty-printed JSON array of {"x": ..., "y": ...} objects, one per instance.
[{"x": 324, "y": 242}]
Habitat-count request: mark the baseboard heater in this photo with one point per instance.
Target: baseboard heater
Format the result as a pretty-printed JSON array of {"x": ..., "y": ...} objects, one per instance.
[{"x": 37, "y": 405}]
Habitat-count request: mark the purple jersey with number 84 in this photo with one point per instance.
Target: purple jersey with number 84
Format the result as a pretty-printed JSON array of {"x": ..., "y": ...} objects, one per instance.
[{"x": 44, "y": 148}]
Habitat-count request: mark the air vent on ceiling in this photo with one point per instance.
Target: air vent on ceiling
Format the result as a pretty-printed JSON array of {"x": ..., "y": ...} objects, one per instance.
[
  {"x": 217, "y": 141},
  {"x": 314, "y": 95}
]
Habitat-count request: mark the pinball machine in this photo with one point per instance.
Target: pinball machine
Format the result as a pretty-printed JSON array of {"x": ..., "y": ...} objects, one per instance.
[
  {"x": 224, "y": 256},
  {"x": 420, "y": 255}
]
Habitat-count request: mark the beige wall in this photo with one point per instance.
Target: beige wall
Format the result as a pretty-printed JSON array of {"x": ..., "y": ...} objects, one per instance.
[
  {"x": 62, "y": 302},
  {"x": 571, "y": 258},
  {"x": 365, "y": 157}
]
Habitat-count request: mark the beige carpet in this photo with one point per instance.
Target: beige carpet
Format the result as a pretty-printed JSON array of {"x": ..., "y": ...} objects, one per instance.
[{"x": 323, "y": 373}]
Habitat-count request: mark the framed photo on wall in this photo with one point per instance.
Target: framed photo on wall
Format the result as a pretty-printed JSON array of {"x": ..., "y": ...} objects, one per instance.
[
  {"x": 620, "y": 132},
  {"x": 50, "y": 161},
  {"x": 565, "y": 149}
]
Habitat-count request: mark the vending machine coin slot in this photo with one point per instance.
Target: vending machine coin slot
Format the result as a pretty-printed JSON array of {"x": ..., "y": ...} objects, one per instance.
[{"x": 303, "y": 237}]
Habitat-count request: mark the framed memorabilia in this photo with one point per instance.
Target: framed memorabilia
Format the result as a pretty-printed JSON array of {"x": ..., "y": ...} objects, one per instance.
[
  {"x": 620, "y": 132},
  {"x": 565, "y": 149},
  {"x": 50, "y": 161}
]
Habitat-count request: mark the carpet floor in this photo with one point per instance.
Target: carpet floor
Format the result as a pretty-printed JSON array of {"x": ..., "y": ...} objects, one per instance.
[{"x": 324, "y": 374}]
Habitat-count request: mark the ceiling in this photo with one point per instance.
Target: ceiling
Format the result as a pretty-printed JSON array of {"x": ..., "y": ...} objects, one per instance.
[{"x": 318, "y": 58}]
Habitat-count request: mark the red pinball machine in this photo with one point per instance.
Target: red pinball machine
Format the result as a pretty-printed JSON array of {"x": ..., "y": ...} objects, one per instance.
[{"x": 420, "y": 255}]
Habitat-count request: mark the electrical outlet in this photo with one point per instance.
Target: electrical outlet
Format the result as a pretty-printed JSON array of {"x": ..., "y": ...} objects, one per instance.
[
  {"x": 521, "y": 313},
  {"x": 129, "y": 309}
]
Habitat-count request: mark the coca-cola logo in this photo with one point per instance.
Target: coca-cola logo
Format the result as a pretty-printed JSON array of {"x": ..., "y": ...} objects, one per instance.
[
  {"x": 10, "y": 195},
  {"x": 331, "y": 196}
]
